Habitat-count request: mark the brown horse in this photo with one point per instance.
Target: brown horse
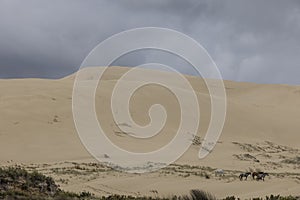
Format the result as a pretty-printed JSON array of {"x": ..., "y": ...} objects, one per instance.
[
  {"x": 255, "y": 174},
  {"x": 259, "y": 175}
]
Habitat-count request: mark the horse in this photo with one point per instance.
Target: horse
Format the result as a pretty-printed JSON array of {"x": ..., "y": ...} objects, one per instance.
[
  {"x": 259, "y": 175},
  {"x": 262, "y": 176},
  {"x": 242, "y": 175},
  {"x": 256, "y": 174},
  {"x": 219, "y": 172}
]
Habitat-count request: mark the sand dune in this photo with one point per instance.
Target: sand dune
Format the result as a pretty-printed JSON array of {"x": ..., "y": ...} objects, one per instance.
[{"x": 261, "y": 131}]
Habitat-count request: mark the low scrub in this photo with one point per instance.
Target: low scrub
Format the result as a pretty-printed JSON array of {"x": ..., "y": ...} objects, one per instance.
[{"x": 18, "y": 184}]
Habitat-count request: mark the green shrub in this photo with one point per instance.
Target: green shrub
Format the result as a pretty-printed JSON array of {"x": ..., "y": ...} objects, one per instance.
[
  {"x": 199, "y": 195},
  {"x": 18, "y": 184}
]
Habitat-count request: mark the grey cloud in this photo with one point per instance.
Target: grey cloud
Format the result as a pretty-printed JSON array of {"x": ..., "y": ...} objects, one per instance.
[{"x": 249, "y": 40}]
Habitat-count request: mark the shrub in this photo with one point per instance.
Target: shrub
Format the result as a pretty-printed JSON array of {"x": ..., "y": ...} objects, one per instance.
[
  {"x": 18, "y": 184},
  {"x": 199, "y": 195}
]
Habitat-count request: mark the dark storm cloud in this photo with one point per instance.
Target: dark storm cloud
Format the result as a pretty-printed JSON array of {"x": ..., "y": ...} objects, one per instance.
[{"x": 249, "y": 40}]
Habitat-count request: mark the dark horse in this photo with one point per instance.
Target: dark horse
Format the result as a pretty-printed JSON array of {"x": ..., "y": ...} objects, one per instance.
[
  {"x": 262, "y": 176},
  {"x": 259, "y": 175},
  {"x": 244, "y": 175},
  {"x": 255, "y": 174}
]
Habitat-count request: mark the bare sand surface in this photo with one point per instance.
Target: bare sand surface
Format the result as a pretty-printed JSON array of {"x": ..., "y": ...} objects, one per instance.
[{"x": 261, "y": 133}]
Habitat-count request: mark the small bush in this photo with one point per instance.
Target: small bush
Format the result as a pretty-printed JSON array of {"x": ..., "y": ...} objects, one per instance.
[{"x": 199, "y": 195}]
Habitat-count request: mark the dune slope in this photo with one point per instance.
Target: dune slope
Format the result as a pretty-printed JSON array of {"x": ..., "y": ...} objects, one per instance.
[{"x": 261, "y": 131}]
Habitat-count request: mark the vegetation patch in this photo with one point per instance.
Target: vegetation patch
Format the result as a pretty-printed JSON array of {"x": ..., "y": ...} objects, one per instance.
[
  {"x": 295, "y": 161},
  {"x": 18, "y": 184}
]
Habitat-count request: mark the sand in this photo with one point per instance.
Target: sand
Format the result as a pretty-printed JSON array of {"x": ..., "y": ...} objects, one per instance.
[{"x": 261, "y": 132}]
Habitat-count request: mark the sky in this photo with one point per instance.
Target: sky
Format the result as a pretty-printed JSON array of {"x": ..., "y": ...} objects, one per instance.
[{"x": 253, "y": 41}]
